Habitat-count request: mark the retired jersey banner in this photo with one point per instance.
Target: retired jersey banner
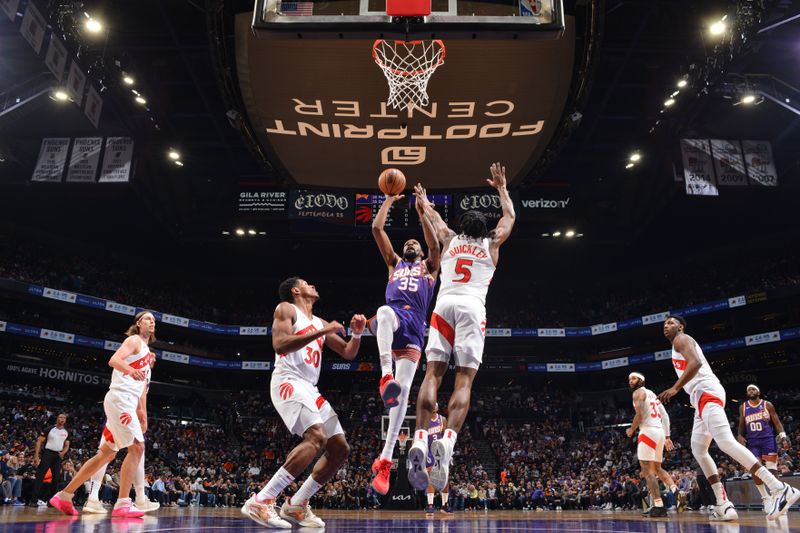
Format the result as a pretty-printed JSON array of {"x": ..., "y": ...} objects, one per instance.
[
  {"x": 94, "y": 106},
  {"x": 698, "y": 167},
  {"x": 52, "y": 160},
  {"x": 9, "y": 7},
  {"x": 56, "y": 57},
  {"x": 85, "y": 159},
  {"x": 33, "y": 27},
  {"x": 760, "y": 164},
  {"x": 76, "y": 82},
  {"x": 117, "y": 160},
  {"x": 728, "y": 163}
]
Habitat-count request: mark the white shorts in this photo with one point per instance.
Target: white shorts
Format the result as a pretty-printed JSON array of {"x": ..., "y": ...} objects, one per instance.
[
  {"x": 651, "y": 444},
  {"x": 301, "y": 406},
  {"x": 458, "y": 327},
  {"x": 122, "y": 424},
  {"x": 709, "y": 412}
]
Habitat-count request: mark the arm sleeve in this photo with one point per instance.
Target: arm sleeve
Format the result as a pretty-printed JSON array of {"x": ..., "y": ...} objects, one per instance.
[{"x": 664, "y": 419}]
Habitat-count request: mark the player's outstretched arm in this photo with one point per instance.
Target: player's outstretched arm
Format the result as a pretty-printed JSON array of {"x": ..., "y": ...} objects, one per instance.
[
  {"x": 506, "y": 223},
  {"x": 381, "y": 238},
  {"x": 283, "y": 340},
  {"x": 443, "y": 233},
  {"x": 434, "y": 250},
  {"x": 684, "y": 345},
  {"x": 741, "y": 428},
  {"x": 348, "y": 350},
  {"x": 129, "y": 347},
  {"x": 773, "y": 415}
]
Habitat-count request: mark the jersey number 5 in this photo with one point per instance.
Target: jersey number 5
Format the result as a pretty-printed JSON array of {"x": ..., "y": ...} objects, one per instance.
[
  {"x": 461, "y": 268},
  {"x": 312, "y": 357}
]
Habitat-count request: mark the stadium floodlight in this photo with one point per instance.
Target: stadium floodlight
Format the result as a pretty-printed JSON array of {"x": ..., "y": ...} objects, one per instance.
[{"x": 239, "y": 232}]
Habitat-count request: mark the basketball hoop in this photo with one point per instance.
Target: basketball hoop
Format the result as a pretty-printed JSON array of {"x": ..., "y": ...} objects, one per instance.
[
  {"x": 408, "y": 66},
  {"x": 401, "y": 439}
]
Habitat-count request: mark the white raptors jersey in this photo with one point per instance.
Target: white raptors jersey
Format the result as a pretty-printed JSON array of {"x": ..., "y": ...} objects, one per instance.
[
  {"x": 304, "y": 363},
  {"x": 651, "y": 417},
  {"x": 704, "y": 376},
  {"x": 467, "y": 268},
  {"x": 120, "y": 383}
]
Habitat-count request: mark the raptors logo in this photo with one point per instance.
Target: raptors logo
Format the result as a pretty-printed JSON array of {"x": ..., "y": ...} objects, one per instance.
[
  {"x": 286, "y": 390},
  {"x": 125, "y": 419}
]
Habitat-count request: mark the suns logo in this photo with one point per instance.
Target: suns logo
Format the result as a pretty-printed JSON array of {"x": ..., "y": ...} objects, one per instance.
[{"x": 286, "y": 390}]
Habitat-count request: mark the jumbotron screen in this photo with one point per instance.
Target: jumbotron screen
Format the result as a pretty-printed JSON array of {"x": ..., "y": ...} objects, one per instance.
[{"x": 403, "y": 213}]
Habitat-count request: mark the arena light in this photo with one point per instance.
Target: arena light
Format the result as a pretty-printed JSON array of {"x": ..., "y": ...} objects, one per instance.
[
  {"x": 93, "y": 25},
  {"x": 60, "y": 96},
  {"x": 239, "y": 232},
  {"x": 262, "y": 232},
  {"x": 128, "y": 80},
  {"x": 629, "y": 166},
  {"x": 682, "y": 84},
  {"x": 748, "y": 99},
  {"x": 673, "y": 95},
  {"x": 174, "y": 154},
  {"x": 179, "y": 163},
  {"x": 545, "y": 234},
  {"x": 635, "y": 157},
  {"x": 140, "y": 100},
  {"x": 226, "y": 232},
  {"x": 669, "y": 102},
  {"x": 569, "y": 234},
  {"x": 719, "y": 27},
  {"x": 556, "y": 234},
  {"x": 251, "y": 232},
  {"x": 579, "y": 235}
]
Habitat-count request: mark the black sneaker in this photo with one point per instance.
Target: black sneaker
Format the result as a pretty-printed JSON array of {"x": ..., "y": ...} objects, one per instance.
[{"x": 657, "y": 512}]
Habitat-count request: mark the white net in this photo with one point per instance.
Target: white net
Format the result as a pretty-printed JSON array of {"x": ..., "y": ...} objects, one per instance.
[{"x": 408, "y": 66}]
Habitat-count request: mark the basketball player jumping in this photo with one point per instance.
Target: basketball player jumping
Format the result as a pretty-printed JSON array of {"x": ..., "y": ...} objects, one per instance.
[
  {"x": 93, "y": 504},
  {"x": 298, "y": 337},
  {"x": 400, "y": 325},
  {"x": 458, "y": 325},
  {"x": 124, "y": 409},
  {"x": 758, "y": 423},
  {"x": 652, "y": 421},
  {"x": 707, "y": 396}
]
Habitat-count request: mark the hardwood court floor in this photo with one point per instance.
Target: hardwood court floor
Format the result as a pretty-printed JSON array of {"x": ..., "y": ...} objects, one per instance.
[{"x": 27, "y": 520}]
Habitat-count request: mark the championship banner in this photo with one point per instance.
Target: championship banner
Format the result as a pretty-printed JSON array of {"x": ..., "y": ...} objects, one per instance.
[
  {"x": 335, "y": 208},
  {"x": 117, "y": 160},
  {"x": 728, "y": 163},
  {"x": 9, "y": 7},
  {"x": 56, "y": 57},
  {"x": 266, "y": 202},
  {"x": 698, "y": 168},
  {"x": 760, "y": 164},
  {"x": 33, "y": 26},
  {"x": 85, "y": 159},
  {"x": 52, "y": 160},
  {"x": 94, "y": 106},
  {"x": 76, "y": 82}
]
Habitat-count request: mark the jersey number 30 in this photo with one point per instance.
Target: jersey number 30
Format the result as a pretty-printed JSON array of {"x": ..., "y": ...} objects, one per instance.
[
  {"x": 461, "y": 268},
  {"x": 312, "y": 357}
]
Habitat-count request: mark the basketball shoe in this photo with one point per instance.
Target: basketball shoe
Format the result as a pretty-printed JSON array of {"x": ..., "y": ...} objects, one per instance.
[
  {"x": 300, "y": 515},
  {"x": 382, "y": 468},
  {"x": 147, "y": 506},
  {"x": 782, "y": 501},
  {"x": 723, "y": 513},
  {"x": 390, "y": 390},
  {"x": 417, "y": 472},
  {"x": 94, "y": 506},
  {"x": 264, "y": 513},
  {"x": 65, "y": 506},
  {"x": 442, "y": 451},
  {"x": 125, "y": 508}
]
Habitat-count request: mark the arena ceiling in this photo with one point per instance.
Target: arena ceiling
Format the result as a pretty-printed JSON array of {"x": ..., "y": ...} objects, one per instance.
[{"x": 181, "y": 53}]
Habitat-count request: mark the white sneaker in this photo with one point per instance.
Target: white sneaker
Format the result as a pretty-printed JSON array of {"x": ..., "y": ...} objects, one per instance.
[
  {"x": 94, "y": 506},
  {"x": 442, "y": 451},
  {"x": 264, "y": 513},
  {"x": 300, "y": 515},
  {"x": 41, "y": 503},
  {"x": 417, "y": 472},
  {"x": 723, "y": 513},
  {"x": 782, "y": 501},
  {"x": 767, "y": 502},
  {"x": 148, "y": 506}
]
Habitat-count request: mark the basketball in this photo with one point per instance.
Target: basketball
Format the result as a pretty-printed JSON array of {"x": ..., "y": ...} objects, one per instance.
[{"x": 392, "y": 181}]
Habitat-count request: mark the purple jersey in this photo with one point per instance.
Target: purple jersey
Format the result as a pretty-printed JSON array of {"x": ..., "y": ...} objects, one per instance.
[
  {"x": 435, "y": 431},
  {"x": 410, "y": 287},
  {"x": 758, "y": 423}
]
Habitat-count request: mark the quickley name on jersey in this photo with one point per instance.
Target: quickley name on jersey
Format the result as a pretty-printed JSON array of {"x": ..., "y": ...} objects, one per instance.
[{"x": 467, "y": 268}]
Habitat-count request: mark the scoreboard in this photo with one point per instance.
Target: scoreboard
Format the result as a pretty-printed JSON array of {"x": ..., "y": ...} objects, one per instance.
[{"x": 403, "y": 213}]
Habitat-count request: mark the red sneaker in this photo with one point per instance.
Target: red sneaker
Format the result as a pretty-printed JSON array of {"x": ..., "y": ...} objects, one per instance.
[
  {"x": 390, "y": 390},
  {"x": 381, "y": 468},
  {"x": 65, "y": 506}
]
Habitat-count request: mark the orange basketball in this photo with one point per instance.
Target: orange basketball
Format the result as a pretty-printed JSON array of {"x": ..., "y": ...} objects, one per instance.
[{"x": 392, "y": 182}]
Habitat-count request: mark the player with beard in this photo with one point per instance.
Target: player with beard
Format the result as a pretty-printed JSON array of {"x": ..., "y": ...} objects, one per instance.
[
  {"x": 400, "y": 325},
  {"x": 652, "y": 421},
  {"x": 707, "y": 396},
  {"x": 760, "y": 430}
]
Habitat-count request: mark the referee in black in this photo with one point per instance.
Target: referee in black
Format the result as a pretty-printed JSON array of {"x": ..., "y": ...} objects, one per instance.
[{"x": 56, "y": 445}]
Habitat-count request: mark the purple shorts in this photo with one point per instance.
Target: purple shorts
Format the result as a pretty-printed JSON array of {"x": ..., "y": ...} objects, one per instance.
[
  {"x": 763, "y": 446},
  {"x": 410, "y": 333}
]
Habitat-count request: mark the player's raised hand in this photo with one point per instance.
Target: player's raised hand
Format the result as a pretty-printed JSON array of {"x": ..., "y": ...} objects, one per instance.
[
  {"x": 335, "y": 327},
  {"x": 390, "y": 199},
  {"x": 357, "y": 324},
  {"x": 421, "y": 194},
  {"x": 498, "y": 180}
]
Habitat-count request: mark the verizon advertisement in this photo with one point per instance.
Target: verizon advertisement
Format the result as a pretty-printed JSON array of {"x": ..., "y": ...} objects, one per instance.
[{"x": 328, "y": 124}]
